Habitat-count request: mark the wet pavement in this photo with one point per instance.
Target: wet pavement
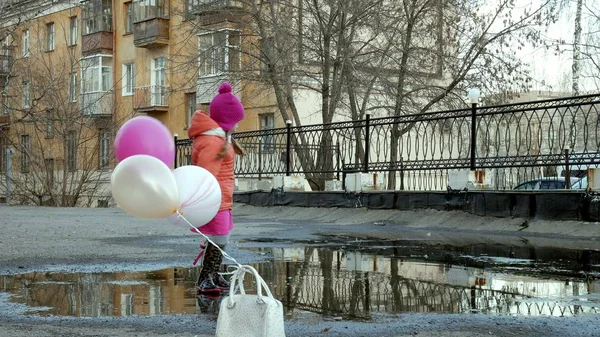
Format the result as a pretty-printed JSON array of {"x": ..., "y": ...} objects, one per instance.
[
  {"x": 349, "y": 282},
  {"x": 82, "y": 272}
]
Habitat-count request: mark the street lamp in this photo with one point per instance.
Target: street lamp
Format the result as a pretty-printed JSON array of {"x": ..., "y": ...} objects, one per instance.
[{"x": 473, "y": 96}]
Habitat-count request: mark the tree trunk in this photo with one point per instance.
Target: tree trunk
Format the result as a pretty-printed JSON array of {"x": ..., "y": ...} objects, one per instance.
[
  {"x": 399, "y": 104},
  {"x": 577, "y": 48}
]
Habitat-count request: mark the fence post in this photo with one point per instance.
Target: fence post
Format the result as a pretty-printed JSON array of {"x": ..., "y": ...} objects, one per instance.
[
  {"x": 567, "y": 170},
  {"x": 338, "y": 157},
  {"x": 288, "y": 148},
  {"x": 260, "y": 157},
  {"x": 175, "y": 159},
  {"x": 473, "y": 96},
  {"x": 401, "y": 173},
  {"x": 367, "y": 142}
]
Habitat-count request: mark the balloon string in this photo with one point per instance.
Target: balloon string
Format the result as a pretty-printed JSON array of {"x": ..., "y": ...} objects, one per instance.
[{"x": 225, "y": 255}]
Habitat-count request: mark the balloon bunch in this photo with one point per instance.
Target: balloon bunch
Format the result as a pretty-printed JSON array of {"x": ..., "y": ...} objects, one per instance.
[{"x": 144, "y": 185}]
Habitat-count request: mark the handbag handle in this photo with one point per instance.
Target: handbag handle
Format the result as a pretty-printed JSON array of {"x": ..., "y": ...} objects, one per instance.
[{"x": 238, "y": 277}]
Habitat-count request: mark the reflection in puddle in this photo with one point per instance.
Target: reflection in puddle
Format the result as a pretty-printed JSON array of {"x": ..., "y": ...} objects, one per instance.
[{"x": 350, "y": 284}]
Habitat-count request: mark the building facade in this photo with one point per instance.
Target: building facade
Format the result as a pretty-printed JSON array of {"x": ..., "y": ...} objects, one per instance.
[{"x": 72, "y": 72}]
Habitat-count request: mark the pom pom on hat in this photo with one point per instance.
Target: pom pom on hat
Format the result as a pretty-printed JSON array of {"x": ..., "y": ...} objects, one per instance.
[
  {"x": 224, "y": 88},
  {"x": 225, "y": 108}
]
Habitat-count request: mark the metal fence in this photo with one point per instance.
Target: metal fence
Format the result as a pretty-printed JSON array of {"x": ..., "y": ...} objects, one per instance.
[{"x": 513, "y": 143}]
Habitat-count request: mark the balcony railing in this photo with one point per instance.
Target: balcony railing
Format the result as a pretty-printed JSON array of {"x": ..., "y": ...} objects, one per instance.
[
  {"x": 152, "y": 33},
  {"x": 153, "y": 98},
  {"x": 199, "y": 7},
  {"x": 97, "y": 104},
  {"x": 97, "y": 42}
]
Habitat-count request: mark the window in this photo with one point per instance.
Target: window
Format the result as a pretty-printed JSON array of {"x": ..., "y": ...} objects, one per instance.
[
  {"x": 25, "y": 147},
  {"x": 5, "y": 55},
  {"x": 190, "y": 106},
  {"x": 127, "y": 305},
  {"x": 72, "y": 151},
  {"x": 552, "y": 185},
  {"x": 50, "y": 36},
  {"x": 73, "y": 88},
  {"x": 50, "y": 123},
  {"x": 150, "y": 9},
  {"x": 50, "y": 173},
  {"x": 73, "y": 31},
  {"x": 5, "y": 107},
  {"x": 95, "y": 74},
  {"x": 219, "y": 52},
  {"x": 128, "y": 18},
  {"x": 158, "y": 90},
  {"x": 267, "y": 122},
  {"x": 128, "y": 79},
  {"x": 530, "y": 185},
  {"x": 26, "y": 95},
  {"x": 96, "y": 82},
  {"x": 97, "y": 16},
  {"x": 25, "y": 43},
  {"x": 104, "y": 148}
]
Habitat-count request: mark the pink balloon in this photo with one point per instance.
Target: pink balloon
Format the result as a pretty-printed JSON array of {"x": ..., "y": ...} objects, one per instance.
[{"x": 145, "y": 135}]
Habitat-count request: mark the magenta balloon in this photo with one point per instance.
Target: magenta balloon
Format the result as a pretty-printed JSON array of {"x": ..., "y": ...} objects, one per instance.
[{"x": 145, "y": 135}]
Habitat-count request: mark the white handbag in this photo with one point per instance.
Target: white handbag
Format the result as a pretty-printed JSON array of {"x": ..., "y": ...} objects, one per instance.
[{"x": 245, "y": 315}]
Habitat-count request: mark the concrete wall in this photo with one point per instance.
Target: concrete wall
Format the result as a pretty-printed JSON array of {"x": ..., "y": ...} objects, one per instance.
[{"x": 533, "y": 205}]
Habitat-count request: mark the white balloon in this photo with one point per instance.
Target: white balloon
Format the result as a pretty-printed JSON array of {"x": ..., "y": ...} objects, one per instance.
[
  {"x": 199, "y": 195},
  {"x": 145, "y": 187}
]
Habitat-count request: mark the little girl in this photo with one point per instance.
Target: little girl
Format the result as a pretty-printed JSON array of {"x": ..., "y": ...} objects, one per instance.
[{"x": 212, "y": 150}]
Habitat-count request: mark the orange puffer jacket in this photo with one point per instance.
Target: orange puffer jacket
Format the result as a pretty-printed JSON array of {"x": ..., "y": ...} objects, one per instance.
[{"x": 209, "y": 140}]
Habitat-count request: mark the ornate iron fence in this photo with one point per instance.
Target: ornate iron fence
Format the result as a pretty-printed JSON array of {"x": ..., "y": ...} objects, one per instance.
[{"x": 513, "y": 142}]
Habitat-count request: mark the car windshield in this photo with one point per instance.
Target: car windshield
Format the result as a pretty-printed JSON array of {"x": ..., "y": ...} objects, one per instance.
[{"x": 530, "y": 185}]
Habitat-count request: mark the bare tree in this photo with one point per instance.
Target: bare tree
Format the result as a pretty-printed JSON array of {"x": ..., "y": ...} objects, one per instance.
[
  {"x": 385, "y": 58},
  {"x": 61, "y": 135},
  {"x": 584, "y": 48}
]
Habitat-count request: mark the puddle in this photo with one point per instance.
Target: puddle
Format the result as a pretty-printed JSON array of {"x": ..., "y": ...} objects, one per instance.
[{"x": 342, "y": 283}]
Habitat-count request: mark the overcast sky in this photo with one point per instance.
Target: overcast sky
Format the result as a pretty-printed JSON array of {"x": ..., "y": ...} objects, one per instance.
[{"x": 555, "y": 70}]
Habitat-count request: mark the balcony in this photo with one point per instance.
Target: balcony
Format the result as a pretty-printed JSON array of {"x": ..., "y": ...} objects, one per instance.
[
  {"x": 152, "y": 33},
  {"x": 96, "y": 43},
  {"x": 97, "y": 104},
  {"x": 153, "y": 98},
  {"x": 151, "y": 23},
  {"x": 213, "y": 10}
]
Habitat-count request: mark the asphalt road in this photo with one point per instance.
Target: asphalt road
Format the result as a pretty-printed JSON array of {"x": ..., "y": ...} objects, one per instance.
[{"x": 50, "y": 239}]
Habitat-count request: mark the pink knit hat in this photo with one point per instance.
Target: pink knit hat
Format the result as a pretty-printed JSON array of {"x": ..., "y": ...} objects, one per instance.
[{"x": 225, "y": 108}]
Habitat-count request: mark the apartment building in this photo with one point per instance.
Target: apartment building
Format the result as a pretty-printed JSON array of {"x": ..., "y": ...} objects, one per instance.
[{"x": 72, "y": 72}]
